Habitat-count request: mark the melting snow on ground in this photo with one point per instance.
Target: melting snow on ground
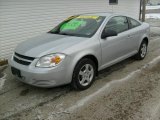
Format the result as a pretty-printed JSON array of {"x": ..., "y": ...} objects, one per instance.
[
  {"x": 153, "y": 15},
  {"x": 153, "y": 7},
  {"x": 2, "y": 81}
]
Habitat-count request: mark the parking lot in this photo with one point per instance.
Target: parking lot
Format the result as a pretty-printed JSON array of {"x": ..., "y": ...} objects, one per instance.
[{"x": 126, "y": 91}]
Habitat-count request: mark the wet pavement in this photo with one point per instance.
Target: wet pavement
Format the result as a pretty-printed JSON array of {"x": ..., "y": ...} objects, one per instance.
[
  {"x": 134, "y": 98},
  {"x": 129, "y": 90}
]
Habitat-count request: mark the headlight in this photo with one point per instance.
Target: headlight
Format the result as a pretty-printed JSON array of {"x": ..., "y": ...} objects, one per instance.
[{"x": 50, "y": 60}]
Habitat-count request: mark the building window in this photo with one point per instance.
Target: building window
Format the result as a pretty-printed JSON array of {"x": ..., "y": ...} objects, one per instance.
[{"x": 113, "y": 2}]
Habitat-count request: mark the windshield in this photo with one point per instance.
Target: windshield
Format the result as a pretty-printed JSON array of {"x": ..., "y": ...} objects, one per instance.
[{"x": 81, "y": 26}]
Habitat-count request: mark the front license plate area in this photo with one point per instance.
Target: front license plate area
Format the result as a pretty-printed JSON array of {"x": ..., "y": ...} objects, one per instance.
[{"x": 16, "y": 72}]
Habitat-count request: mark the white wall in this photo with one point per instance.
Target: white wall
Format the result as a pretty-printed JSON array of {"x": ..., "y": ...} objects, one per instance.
[{"x": 22, "y": 19}]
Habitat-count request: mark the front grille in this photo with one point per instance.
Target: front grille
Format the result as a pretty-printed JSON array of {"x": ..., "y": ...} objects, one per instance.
[
  {"x": 25, "y": 57},
  {"x": 21, "y": 59}
]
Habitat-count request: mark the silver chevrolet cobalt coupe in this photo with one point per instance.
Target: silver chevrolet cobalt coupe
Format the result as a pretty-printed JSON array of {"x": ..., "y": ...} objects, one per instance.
[{"x": 76, "y": 49}]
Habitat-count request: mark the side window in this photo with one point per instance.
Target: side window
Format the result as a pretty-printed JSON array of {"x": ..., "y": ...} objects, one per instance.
[
  {"x": 133, "y": 23},
  {"x": 118, "y": 24}
]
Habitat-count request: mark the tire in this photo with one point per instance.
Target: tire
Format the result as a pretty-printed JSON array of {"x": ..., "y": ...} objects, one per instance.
[
  {"x": 83, "y": 74},
  {"x": 142, "y": 51}
]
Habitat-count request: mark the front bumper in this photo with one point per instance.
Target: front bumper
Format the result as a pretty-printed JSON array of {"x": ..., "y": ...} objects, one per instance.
[{"x": 43, "y": 77}]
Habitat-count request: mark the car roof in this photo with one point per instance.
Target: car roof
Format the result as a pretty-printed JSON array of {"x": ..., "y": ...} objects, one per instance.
[
  {"x": 100, "y": 14},
  {"x": 107, "y": 14}
]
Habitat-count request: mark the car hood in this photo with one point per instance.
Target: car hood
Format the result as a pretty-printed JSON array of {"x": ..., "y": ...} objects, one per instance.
[{"x": 46, "y": 44}]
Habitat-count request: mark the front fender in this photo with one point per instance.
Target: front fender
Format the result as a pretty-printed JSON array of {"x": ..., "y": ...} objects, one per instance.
[{"x": 78, "y": 56}]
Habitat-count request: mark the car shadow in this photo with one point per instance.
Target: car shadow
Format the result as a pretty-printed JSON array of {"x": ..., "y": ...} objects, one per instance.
[{"x": 116, "y": 67}]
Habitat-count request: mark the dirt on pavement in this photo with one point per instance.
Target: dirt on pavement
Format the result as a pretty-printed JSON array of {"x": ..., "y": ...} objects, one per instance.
[{"x": 137, "y": 98}]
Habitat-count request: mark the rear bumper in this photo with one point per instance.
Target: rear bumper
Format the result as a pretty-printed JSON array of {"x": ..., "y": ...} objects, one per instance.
[{"x": 43, "y": 77}]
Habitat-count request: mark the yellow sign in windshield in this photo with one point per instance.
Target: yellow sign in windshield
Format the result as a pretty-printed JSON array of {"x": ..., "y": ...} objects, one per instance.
[{"x": 88, "y": 17}]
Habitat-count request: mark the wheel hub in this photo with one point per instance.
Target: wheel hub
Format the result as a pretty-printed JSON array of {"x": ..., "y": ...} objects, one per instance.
[
  {"x": 86, "y": 74},
  {"x": 143, "y": 50}
]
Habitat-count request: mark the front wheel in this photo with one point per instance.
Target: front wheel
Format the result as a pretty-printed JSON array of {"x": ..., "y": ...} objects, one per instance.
[
  {"x": 84, "y": 74},
  {"x": 142, "y": 51}
]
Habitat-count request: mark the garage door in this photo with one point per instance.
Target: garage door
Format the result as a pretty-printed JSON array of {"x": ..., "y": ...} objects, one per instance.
[{"x": 22, "y": 19}]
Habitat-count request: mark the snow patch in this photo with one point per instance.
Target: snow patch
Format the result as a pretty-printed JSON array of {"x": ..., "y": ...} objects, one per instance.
[
  {"x": 155, "y": 40},
  {"x": 2, "y": 81},
  {"x": 153, "y": 7},
  {"x": 90, "y": 97},
  {"x": 155, "y": 111},
  {"x": 153, "y": 15}
]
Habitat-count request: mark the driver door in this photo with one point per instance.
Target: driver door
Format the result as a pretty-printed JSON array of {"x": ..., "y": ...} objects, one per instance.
[{"x": 116, "y": 47}]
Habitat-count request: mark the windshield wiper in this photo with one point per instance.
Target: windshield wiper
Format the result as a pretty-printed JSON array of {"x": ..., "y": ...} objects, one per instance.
[
  {"x": 55, "y": 32},
  {"x": 60, "y": 33},
  {"x": 66, "y": 34}
]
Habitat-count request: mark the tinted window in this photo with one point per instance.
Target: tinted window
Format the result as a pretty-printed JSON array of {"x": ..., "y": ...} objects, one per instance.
[
  {"x": 133, "y": 23},
  {"x": 118, "y": 24}
]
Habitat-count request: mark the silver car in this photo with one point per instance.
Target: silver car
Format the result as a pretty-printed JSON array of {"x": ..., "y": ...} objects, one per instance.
[{"x": 76, "y": 49}]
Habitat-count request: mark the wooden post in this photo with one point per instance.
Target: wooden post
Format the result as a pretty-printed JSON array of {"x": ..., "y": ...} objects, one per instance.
[
  {"x": 140, "y": 11},
  {"x": 143, "y": 10}
]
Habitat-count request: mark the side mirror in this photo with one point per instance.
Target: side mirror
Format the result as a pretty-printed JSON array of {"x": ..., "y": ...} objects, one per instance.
[{"x": 108, "y": 33}]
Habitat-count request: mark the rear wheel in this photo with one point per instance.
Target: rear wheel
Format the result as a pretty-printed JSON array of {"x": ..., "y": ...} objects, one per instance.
[
  {"x": 142, "y": 51},
  {"x": 84, "y": 74}
]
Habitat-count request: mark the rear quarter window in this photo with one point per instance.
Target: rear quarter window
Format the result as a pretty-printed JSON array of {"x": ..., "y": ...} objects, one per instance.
[{"x": 133, "y": 23}]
